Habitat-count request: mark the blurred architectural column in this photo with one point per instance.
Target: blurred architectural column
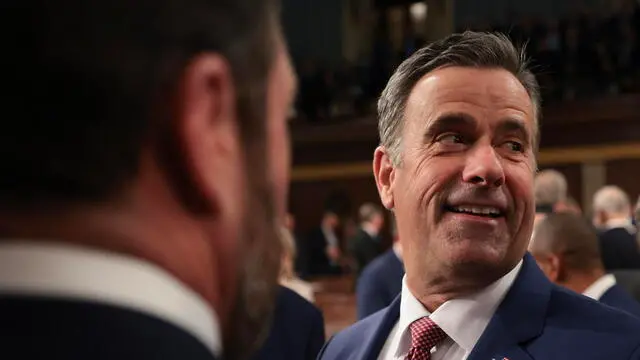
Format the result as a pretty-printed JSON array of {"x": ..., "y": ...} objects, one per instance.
[
  {"x": 594, "y": 176},
  {"x": 359, "y": 21},
  {"x": 439, "y": 21}
]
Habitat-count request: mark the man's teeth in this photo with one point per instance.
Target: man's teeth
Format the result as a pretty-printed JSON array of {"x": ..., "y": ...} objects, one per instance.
[{"x": 477, "y": 210}]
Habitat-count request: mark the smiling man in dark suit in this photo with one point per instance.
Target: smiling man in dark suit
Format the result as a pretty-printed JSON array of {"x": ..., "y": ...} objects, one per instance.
[
  {"x": 458, "y": 126},
  {"x": 147, "y": 158}
]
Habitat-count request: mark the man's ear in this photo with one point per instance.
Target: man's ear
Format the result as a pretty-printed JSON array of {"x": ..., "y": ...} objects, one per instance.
[
  {"x": 384, "y": 173},
  {"x": 207, "y": 130},
  {"x": 556, "y": 268}
]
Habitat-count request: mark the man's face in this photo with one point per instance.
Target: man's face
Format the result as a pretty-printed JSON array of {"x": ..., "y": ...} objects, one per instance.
[
  {"x": 463, "y": 194},
  {"x": 261, "y": 255}
]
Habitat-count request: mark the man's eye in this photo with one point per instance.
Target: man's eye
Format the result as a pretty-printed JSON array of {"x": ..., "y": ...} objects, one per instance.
[
  {"x": 514, "y": 146},
  {"x": 451, "y": 139}
]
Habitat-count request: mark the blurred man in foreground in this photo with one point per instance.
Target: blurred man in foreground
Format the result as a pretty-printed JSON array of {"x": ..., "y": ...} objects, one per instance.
[
  {"x": 458, "y": 125},
  {"x": 148, "y": 157},
  {"x": 566, "y": 248}
]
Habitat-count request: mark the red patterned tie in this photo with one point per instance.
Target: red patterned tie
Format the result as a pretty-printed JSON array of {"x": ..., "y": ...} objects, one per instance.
[{"x": 425, "y": 334}]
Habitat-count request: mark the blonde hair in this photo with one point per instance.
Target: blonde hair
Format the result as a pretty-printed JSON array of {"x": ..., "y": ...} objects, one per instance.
[{"x": 288, "y": 254}]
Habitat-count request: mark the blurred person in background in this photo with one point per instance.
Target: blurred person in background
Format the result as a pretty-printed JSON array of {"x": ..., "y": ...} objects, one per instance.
[
  {"x": 297, "y": 326},
  {"x": 149, "y": 159},
  {"x": 288, "y": 276},
  {"x": 364, "y": 246},
  {"x": 636, "y": 218},
  {"x": 612, "y": 216},
  {"x": 297, "y": 329},
  {"x": 459, "y": 132},
  {"x": 566, "y": 248},
  {"x": 550, "y": 191},
  {"x": 570, "y": 205},
  {"x": 322, "y": 254},
  {"x": 381, "y": 280}
]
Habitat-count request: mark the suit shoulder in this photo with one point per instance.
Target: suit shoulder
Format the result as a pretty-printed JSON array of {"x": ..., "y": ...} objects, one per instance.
[
  {"x": 349, "y": 340},
  {"x": 378, "y": 264},
  {"x": 292, "y": 300},
  {"x": 573, "y": 308}
]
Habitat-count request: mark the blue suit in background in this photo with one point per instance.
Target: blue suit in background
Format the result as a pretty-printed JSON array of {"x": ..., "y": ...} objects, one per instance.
[
  {"x": 379, "y": 284},
  {"x": 619, "y": 298},
  {"x": 536, "y": 321},
  {"x": 297, "y": 329}
]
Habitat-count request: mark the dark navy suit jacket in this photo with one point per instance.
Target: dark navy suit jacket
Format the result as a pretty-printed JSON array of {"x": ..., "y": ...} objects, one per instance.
[
  {"x": 619, "y": 249},
  {"x": 536, "y": 320},
  {"x": 379, "y": 283},
  {"x": 297, "y": 330},
  {"x": 619, "y": 298},
  {"x": 40, "y": 327}
]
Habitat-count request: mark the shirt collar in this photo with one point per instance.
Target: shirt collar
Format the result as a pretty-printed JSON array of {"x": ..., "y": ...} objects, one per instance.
[
  {"x": 329, "y": 235},
  {"x": 600, "y": 286},
  {"x": 463, "y": 319},
  {"x": 370, "y": 230},
  {"x": 74, "y": 272},
  {"x": 620, "y": 223}
]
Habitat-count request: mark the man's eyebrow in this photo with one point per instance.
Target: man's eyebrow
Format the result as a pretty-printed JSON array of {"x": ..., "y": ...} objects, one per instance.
[
  {"x": 449, "y": 121},
  {"x": 514, "y": 125}
]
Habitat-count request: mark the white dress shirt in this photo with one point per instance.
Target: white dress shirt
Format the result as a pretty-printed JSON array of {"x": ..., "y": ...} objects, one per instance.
[
  {"x": 463, "y": 320},
  {"x": 624, "y": 223},
  {"x": 600, "y": 286},
  {"x": 65, "y": 271},
  {"x": 370, "y": 230},
  {"x": 330, "y": 236}
]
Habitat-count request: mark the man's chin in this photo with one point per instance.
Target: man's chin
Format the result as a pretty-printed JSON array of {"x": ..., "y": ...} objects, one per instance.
[{"x": 479, "y": 262}]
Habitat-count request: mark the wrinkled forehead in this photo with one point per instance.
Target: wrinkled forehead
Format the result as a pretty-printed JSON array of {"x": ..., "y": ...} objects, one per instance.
[{"x": 483, "y": 94}]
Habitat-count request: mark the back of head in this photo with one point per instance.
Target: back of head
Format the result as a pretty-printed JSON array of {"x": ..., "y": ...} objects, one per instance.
[
  {"x": 93, "y": 81},
  {"x": 106, "y": 94},
  {"x": 611, "y": 200},
  {"x": 550, "y": 188},
  {"x": 569, "y": 237}
]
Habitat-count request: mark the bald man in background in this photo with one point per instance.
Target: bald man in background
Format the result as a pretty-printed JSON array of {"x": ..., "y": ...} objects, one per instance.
[
  {"x": 612, "y": 217},
  {"x": 566, "y": 248},
  {"x": 550, "y": 192}
]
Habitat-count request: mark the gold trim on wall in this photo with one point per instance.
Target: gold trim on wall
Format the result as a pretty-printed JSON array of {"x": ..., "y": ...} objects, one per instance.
[{"x": 546, "y": 157}]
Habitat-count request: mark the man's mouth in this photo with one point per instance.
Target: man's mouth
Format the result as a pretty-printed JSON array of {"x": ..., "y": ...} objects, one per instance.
[{"x": 485, "y": 211}]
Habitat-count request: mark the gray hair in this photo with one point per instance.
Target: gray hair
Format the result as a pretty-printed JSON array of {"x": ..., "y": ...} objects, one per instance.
[
  {"x": 469, "y": 49},
  {"x": 611, "y": 200},
  {"x": 550, "y": 187},
  {"x": 367, "y": 211}
]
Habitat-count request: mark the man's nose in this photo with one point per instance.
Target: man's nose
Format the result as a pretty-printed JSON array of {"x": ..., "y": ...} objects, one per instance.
[{"x": 483, "y": 167}]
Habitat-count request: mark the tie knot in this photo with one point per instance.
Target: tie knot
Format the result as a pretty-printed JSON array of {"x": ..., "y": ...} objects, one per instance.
[{"x": 426, "y": 334}]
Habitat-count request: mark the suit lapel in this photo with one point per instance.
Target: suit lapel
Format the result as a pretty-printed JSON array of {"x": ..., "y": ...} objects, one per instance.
[
  {"x": 519, "y": 318},
  {"x": 374, "y": 342}
]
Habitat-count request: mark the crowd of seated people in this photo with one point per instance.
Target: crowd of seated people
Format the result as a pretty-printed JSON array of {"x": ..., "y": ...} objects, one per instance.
[{"x": 582, "y": 55}]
